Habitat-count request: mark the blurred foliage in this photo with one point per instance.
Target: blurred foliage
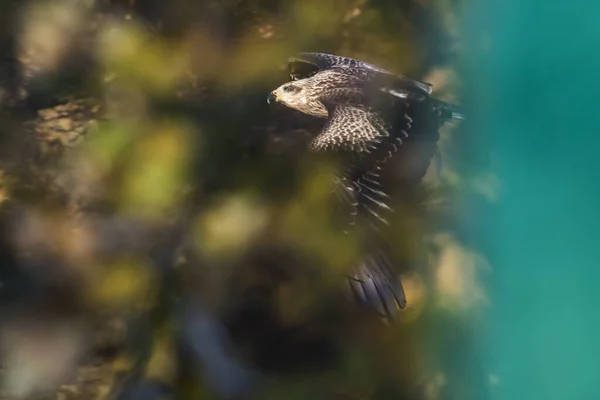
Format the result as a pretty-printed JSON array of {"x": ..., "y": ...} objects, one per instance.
[{"x": 147, "y": 190}]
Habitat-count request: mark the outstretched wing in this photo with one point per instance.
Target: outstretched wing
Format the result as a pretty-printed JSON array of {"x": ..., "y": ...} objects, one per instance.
[
  {"x": 394, "y": 84},
  {"x": 359, "y": 185},
  {"x": 327, "y": 61},
  {"x": 350, "y": 127},
  {"x": 373, "y": 282}
]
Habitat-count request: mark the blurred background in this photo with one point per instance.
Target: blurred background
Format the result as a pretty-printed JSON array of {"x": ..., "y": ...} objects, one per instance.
[{"x": 163, "y": 233}]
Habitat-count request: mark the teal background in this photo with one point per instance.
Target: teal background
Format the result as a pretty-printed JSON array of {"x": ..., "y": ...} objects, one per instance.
[{"x": 534, "y": 70}]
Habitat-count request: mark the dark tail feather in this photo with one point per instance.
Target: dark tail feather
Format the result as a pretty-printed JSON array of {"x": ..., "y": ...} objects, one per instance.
[{"x": 375, "y": 286}]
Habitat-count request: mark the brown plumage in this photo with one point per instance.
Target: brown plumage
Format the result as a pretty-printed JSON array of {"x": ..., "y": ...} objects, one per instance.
[{"x": 370, "y": 114}]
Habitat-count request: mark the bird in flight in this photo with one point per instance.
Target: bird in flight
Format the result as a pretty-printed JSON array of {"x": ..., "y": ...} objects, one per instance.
[{"x": 370, "y": 113}]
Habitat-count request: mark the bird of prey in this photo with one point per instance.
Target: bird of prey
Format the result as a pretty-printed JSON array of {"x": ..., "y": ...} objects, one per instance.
[{"x": 370, "y": 113}]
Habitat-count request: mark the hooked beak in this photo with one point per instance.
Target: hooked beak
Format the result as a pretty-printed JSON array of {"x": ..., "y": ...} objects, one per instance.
[{"x": 272, "y": 97}]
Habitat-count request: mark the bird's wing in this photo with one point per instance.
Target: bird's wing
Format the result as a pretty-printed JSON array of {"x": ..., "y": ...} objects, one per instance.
[
  {"x": 367, "y": 134},
  {"x": 373, "y": 281},
  {"x": 327, "y": 61},
  {"x": 374, "y": 284},
  {"x": 362, "y": 183},
  {"x": 365, "y": 198},
  {"x": 350, "y": 127},
  {"x": 394, "y": 84}
]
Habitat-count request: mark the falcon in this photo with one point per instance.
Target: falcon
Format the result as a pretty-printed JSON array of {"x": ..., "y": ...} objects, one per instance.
[{"x": 370, "y": 113}]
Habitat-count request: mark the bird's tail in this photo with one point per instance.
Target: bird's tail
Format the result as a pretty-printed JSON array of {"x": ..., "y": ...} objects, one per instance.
[
  {"x": 449, "y": 111},
  {"x": 374, "y": 285}
]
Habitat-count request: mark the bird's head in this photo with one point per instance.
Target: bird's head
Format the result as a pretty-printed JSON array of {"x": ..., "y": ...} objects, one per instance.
[
  {"x": 289, "y": 94},
  {"x": 297, "y": 96}
]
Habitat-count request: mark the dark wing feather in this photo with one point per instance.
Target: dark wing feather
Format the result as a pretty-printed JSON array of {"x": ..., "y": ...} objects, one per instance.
[
  {"x": 365, "y": 167},
  {"x": 394, "y": 84},
  {"x": 364, "y": 197},
  {"x": 374, "y": 284},
  {"x": 325, "y": 61}
]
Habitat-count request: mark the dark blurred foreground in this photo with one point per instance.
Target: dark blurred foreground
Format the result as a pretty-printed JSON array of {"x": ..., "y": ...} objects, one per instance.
[{"x": 163, "y": 232}]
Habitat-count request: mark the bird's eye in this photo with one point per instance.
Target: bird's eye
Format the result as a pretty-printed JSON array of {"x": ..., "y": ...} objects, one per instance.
[{"x": 291, "y": 89}]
